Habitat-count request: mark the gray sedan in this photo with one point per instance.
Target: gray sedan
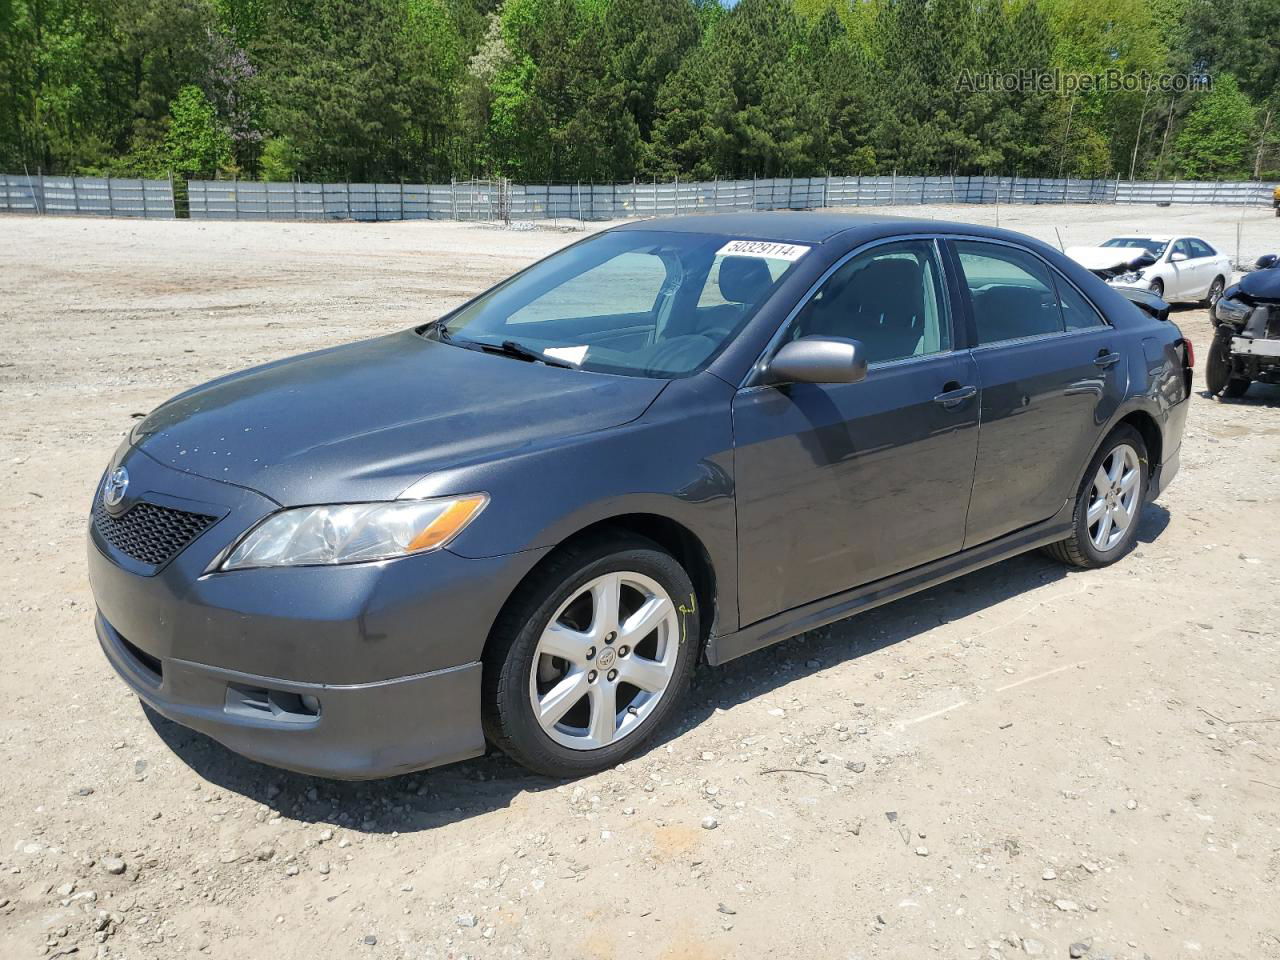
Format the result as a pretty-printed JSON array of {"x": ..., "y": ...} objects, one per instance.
[{"x": 523, "y": 523}]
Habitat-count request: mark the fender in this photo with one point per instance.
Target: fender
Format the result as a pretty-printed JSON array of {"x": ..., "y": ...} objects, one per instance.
[{"x": 588, "y": 479}]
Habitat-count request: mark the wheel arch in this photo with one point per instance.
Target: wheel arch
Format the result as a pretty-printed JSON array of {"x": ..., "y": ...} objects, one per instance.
[
  {"x": 674, "y": 537},
  {"x": 1148, "y": 428}
]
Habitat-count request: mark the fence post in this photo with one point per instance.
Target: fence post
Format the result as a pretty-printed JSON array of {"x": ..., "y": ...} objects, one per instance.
[{"x": 44, "y": 200}]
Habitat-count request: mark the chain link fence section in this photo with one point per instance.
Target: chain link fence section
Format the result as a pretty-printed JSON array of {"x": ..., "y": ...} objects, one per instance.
[{"x": 86, "y": 196}]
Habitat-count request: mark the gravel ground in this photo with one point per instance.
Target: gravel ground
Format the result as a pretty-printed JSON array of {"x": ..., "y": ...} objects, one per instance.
[{"x": 1025, "y": 762}]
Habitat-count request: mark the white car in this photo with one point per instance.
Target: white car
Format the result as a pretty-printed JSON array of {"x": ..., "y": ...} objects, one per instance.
[{"x": 1173, "y": 268}]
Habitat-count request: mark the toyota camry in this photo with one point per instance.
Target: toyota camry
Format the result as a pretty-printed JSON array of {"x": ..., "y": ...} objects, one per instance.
[{"x": 525, "y": 522}]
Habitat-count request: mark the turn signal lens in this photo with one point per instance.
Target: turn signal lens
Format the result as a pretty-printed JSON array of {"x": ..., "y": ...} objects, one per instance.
[
  {"x": 354, "y": 533},
  {"x": 442, "y": 529}
]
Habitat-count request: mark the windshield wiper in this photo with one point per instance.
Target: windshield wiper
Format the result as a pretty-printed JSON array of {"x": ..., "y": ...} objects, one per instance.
[
  {"x": 508, "y": 348},
  {"x": 511, "y": 348}
]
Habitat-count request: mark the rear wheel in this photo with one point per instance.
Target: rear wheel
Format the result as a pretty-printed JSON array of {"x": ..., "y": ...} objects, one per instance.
[
  {"x": 1218, "y": 376},
  {"x": 1108, "y": 503},
  {"x": 1215, "y": 293},
  {"x": 590, "y": 657}
]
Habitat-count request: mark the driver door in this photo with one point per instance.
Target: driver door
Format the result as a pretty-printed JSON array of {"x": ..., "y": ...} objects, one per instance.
[{"x": 839, "y": 485}]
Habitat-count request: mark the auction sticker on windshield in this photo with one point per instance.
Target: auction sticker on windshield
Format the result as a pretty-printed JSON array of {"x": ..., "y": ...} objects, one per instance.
[{"x": 763, "y": 248}]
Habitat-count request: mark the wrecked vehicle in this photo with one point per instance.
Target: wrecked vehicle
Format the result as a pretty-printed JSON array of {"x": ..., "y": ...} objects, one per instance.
[
  {"x": 1246, "y": 340},
  {"x": 1174, "y": 268},
  {"x": 1114, "y": 265}
]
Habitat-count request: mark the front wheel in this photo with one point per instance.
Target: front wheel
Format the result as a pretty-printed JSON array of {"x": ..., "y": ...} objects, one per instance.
[
  {"x": 1219, "y": 379},
  {"x": 590, "y": 657},
  {"x": 1108, "y": 503},
  {"x": 1157, "y": 287}
]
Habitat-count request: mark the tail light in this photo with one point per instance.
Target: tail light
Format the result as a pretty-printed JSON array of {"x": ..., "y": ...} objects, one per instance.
[{"x": 1188, "y": 354}]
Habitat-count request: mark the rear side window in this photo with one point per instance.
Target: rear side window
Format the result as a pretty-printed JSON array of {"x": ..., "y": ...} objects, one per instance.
[
  {"x": 1201, "y": 249},
  {"x": 1077, "y": 312},
  {"x": 1013, "y": 293}
]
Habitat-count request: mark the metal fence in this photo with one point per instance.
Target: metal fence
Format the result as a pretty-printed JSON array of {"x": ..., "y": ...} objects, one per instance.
[
  {"x": 502, "y": 200},
  {"x": 86, "y": 196}
]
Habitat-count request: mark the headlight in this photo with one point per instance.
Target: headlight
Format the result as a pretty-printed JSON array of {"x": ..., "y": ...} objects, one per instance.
[
  {"x": 1232, "y": 311},
  {"x": 1128, "y": 278},
  {"x": 354, "y": 532}
]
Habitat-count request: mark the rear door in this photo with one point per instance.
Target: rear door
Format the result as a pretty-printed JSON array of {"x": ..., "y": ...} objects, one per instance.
[
  {"x": 842, "y": 484},
  {"x": 1051, "y": 376},
  {"x": 1206, "y": 263}
]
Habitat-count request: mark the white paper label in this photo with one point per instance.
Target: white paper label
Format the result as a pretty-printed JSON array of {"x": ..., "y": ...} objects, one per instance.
[
  {"x": 763, "y": 248},
  {"x": 572, "y": 355}
]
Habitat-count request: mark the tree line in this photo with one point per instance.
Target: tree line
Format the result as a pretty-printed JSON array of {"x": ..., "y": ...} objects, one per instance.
[{"x": 608, "y": 90}]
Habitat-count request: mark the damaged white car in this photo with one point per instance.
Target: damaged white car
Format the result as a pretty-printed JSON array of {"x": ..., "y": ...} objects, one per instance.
[{"x": 1175, "y": 269}]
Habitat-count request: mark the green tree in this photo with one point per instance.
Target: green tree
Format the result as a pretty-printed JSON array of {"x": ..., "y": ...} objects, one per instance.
[
  {"x": 196, "y": 144},
  {"x": 553, "y": 115},
  {"x": 1217, "y": 136}
]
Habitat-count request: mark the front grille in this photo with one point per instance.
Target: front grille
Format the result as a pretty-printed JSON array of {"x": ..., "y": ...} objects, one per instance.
[{"x": 149, "y": 533}]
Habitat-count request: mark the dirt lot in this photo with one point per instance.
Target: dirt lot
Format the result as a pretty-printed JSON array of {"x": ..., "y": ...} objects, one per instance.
[{"x": 1020, "y": 761}]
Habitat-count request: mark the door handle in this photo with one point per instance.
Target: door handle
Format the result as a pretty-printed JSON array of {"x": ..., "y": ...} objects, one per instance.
[
  {"x": 1106, "y": 359},
  {"x": 953, "y": 395}
]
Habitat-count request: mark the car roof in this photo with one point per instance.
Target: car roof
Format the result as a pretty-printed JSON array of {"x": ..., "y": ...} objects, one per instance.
[{"x": 797, "y": 226}]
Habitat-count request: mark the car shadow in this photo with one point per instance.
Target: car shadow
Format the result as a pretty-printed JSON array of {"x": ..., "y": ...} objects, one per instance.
[
  {"x": 429, "y": 799},
  {"x": 1258, "y": 395}
]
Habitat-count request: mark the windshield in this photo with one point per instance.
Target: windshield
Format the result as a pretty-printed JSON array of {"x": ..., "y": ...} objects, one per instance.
[
  {"x": 635, "y": 302},
  {"x": 1153, "y": 247}
]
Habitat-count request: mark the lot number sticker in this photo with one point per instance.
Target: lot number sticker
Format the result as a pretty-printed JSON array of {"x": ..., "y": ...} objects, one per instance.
[{"x": 763, "y": 248}]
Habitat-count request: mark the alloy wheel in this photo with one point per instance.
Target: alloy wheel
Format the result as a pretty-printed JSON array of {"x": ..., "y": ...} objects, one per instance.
[
  {"x": 604, "y": 661},
  {"x": 1215, "y": 293},
  {"x": 1113, "y": 498}
]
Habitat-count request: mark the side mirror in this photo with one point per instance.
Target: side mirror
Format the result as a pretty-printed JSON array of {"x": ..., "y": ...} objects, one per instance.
[
  {"x": 1177, "y": 257},
  {"x": 818, "y": 360},
  {"x": 1266, "y": 261}
]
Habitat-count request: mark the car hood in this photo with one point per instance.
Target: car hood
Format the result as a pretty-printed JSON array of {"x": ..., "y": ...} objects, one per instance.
[
  {"x": 1262, "y": 284},
  {"x": 1105, "y": 258},
  {"x": 365, "y": 420}
]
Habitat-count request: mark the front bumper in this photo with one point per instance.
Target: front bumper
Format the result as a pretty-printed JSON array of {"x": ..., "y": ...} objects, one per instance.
[
  {"x": 389, "y": 651},
  {"x": 1253, "y": 347},
  {"x": 356, "y": 731}
]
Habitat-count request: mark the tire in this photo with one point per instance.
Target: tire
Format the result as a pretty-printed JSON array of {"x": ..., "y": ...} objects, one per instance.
[
  {"x": 1085, "y": 548},
  {"x": 557, "y": 609},
  {"x": 1215, "y": 293},
  {"x": 1218, "y": 379},
  {"x": 1157, "y": 287}
]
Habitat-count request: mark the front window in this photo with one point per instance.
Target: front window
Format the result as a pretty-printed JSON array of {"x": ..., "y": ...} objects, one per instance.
[
  {"x": 1152, "y": 246},
  {"x": 889, "y": 298},
  {"x": 640, "y": 303}
]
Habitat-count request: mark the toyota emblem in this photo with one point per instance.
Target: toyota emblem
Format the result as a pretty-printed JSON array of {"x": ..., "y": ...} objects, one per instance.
[{"x": 113, "y": 490}]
